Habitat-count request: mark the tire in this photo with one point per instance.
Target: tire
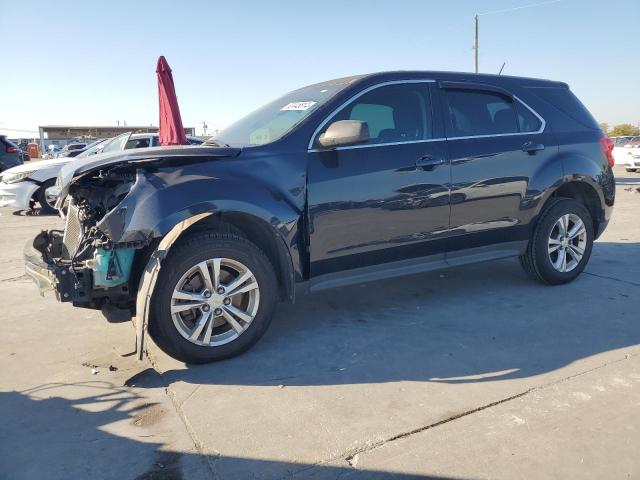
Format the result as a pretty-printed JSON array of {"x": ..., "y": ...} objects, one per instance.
[
  {"x": 40, "y": 197},
  {"x": 630, "y": 169},
  {"x": 538, "y": 262},
  {"x": 170, "y": 330}
]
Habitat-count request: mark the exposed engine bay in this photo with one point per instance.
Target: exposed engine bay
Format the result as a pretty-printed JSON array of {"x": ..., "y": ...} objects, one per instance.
[
  {"x": 117, "y": 211},
  {"x": 98, "y": 268}
]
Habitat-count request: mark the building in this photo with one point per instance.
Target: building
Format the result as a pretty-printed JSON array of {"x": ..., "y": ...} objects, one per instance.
[{"x": 63, "y": 134}]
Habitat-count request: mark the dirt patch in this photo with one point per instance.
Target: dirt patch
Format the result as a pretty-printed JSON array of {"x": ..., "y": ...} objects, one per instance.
[{"x": 148, "y": 415}]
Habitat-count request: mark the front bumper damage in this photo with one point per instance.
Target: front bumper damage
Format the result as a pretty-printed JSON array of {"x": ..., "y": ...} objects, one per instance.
[
  {"x": 138, "y": 205},
  {"x": 49, "y": 275},
  {"x": 44, "y": 264}
]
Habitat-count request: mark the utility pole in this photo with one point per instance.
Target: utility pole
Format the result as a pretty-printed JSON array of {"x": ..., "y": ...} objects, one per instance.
[{"x": 475, "y": 43}]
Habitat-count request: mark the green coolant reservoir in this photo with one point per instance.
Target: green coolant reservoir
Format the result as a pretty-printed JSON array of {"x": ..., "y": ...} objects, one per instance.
[{"x": 111, "y": 267}]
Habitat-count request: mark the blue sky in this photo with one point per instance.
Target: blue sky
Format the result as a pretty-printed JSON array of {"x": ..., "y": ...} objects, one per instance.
[{"x": 94, "y": 62}]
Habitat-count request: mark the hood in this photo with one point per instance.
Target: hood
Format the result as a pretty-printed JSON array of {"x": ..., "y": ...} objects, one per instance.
[
  {"x": 37, "y": 165},
  {"x": 77, "y": 167}
]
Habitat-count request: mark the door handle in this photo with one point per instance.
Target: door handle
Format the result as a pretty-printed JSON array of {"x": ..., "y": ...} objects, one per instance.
[
  {"x": 531, "y": 148},
  {"x": 429, "y": 163}
]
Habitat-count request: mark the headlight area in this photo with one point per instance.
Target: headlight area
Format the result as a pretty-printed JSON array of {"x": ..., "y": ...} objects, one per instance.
[
  {"x": 16, "y": 177},
  {"x": 90, "y": 269}
]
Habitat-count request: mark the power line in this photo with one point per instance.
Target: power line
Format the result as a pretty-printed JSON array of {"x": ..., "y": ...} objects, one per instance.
[
  {"x": 504, "y": 10},
  {"x": 512, "y": 9}
]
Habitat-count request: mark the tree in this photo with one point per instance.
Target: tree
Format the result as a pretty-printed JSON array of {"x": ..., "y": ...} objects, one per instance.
[
  {"x": 624, "y": 130},
  {"x": 604, "y": 126}
]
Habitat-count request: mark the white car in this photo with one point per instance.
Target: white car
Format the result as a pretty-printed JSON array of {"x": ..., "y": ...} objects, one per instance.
[
  {"x": 626, "y": 152},
  {"x": 632, "y": 162},
  {"x": 22, "y": 186}
]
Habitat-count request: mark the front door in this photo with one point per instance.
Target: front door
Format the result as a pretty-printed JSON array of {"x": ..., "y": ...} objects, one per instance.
[{"x": 387, "y": 199}]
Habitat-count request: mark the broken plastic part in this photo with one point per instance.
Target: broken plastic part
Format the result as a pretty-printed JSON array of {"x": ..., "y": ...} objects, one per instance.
[{"x": 111, "y": 267}]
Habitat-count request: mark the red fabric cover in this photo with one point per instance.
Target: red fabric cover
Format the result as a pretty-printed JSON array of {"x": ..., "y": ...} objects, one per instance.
[{"x": 171, "y": 129}]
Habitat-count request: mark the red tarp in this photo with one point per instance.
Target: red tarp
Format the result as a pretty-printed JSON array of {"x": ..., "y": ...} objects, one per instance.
[{"x": 171, "y": 129}]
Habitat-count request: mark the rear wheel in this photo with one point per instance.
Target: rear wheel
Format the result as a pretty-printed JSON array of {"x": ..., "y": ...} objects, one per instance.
[
  {"x": 561, "y": 243},
  {"x": 46, "y": 198},
  {"x": 215, "y": 297}
]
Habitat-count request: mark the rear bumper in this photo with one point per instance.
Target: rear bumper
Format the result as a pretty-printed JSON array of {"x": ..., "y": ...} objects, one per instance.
[
  {"x": 17, "y": 195},
  {"x": 48, "y": 275}
]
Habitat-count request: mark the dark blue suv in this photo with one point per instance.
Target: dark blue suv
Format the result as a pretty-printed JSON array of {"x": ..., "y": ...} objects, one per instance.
[{"x": 350, "y": 180}]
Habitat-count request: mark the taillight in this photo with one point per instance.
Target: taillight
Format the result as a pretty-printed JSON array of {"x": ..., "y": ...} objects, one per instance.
[
  {"x": 11, "y": 149},
  {"x": 607, "y": 148}
]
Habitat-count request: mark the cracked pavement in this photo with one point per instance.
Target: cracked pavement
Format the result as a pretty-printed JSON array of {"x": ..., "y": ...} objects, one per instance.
[{"x": 473, "y": 372}]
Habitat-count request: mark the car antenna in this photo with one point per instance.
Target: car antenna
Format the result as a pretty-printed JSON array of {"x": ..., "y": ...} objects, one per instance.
[{"x": 501, "y": 68}]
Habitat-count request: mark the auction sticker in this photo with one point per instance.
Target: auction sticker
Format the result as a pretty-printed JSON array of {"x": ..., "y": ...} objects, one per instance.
[{"x": 297, "y": 106}]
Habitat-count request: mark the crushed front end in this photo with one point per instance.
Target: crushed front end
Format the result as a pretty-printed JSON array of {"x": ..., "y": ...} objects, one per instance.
[{"x": 82, "y": 264}]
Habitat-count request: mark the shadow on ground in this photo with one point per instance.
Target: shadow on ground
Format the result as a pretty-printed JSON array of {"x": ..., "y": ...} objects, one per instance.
[
  {"x": 47, "y": 436},
  {"x": 482, "y": 323},
  {"x": 36, "y": 212}
]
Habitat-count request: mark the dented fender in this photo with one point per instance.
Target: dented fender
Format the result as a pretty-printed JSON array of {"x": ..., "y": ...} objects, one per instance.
[{"x": 150, "y": 275}]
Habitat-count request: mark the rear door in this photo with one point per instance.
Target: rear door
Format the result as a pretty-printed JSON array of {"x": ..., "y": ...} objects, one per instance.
[
  {"x": 385, "y": 200},
  {"x": 496, "y": 145}
]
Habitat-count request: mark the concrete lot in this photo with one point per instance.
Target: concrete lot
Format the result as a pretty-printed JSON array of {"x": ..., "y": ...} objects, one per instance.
[{"x": 474, "y": 372}]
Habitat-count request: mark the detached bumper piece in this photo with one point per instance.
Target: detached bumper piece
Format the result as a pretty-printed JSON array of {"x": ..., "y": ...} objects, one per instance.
[{"x": 69, "y": 285}]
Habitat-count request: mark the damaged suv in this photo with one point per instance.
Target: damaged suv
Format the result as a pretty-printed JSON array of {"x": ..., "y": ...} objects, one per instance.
[{"x": 351, "y": 180}]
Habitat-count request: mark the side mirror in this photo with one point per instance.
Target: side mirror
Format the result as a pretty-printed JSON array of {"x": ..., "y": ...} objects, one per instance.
[{"x": 344, "y": 132}]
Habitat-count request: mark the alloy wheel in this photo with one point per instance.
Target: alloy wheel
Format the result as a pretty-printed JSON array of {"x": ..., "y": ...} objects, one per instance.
[
  {"x": 567, "y": 242},
  {"x": 215, "y": 301}
]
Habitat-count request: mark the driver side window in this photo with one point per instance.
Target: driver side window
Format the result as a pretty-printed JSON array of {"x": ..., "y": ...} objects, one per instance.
[{"x": 394, "y": 113}]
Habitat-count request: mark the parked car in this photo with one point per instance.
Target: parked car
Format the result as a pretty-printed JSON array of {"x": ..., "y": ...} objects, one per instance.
[
  {"x": 51, "y": 152},
  {"x": 632, "y": 162},
  {"x": 21, "y": 187},
  {"x": 69, "y": 149},
  {"x": 346, "y": 181},
  {"x": 632, "y": 157},
  {"x": 94, "y": 146},
  {"x": 24, "y": 186},
  {"x": 625, "y": 148},
  {"x": 10, "y": 154}
]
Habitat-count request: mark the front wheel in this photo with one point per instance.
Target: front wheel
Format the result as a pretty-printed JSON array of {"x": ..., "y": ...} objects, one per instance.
[
  {"x": 47, "y": 197},
  {"x": 214, "y": 298},
  {"x": 630, "y": 169},
  {"x": 561, "y": 243}
]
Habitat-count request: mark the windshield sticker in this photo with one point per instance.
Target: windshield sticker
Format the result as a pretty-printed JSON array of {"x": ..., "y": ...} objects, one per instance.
[{"x": 297, "y": 106}]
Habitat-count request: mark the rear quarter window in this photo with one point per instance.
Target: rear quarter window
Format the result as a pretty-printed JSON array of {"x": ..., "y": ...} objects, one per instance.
[{"x": 564, "y": 100}]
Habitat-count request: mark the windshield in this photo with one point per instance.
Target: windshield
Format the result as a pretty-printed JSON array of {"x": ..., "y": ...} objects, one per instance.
[
  {"x": 275, "y": 119},
  {"x": 116, "y": 143},
  {"x": 92, "y": 149}
]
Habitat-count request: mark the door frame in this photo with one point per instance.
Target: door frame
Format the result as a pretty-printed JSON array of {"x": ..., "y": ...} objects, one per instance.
[{"x": 438, "y": 125}]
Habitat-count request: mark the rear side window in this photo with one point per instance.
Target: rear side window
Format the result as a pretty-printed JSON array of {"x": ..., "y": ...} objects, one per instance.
[
  {"x": 564, "y": 100},
  {"x": 393, "y": 113},
  {"x": 474, "y": 113}
]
